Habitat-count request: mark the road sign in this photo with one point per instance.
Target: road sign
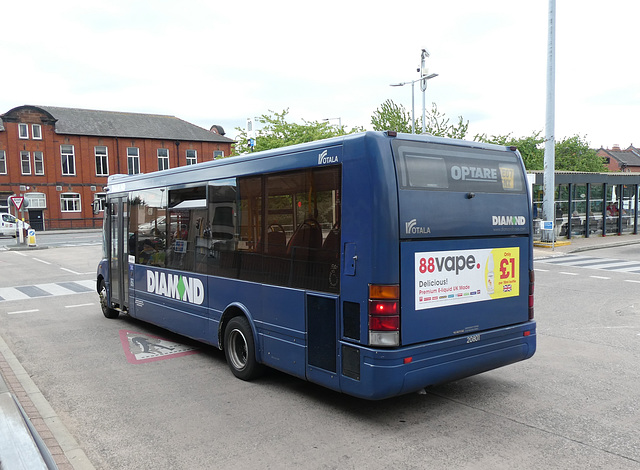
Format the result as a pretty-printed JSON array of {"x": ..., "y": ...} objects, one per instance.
[{"x": 17, "y": 201}]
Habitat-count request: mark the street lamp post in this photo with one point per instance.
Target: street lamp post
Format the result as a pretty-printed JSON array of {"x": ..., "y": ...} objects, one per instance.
[
  {"x": 413, "y": 107},
  {"x": 338, "y": 118}
]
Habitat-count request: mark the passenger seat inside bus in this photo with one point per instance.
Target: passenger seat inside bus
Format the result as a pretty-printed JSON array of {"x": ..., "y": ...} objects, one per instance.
[
  {"x": 276, "y": 241},
  {"x": 305, "y": 241}
]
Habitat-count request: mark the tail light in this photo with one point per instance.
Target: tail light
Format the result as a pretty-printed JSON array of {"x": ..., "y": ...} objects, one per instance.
[
  {"x": 384, "y": 315},
  {"x": 531, "y": 284}
]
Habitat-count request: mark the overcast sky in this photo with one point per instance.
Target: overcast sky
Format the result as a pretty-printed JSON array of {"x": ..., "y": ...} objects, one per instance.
[{"x": 212, "y": 62}]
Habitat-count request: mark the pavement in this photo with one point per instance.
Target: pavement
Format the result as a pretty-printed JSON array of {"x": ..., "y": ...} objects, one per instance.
[
  {"x": 32, "y": 436},
  {"x": 577, "y": 245}
]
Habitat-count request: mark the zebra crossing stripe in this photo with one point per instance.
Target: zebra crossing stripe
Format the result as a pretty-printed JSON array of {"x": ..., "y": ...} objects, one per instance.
[
  {"x": 46, "y": 290},
  {"x": 33, "y": 291},
  {"x": 11, "y": 293},
  {"x": 605, "y": 264}
]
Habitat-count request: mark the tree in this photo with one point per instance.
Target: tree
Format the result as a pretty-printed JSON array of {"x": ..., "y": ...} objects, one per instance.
[
  {"x": 530, "y": 147},
  {"x": 394, "y": 117},
  {"x": 277, "y": 132},
  {"x": 391, "y": 117},
  {"x": 571, "y": 153}
]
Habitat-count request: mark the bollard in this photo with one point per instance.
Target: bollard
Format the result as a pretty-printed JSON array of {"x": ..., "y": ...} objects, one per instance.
[{"x": 31, "y": 236}]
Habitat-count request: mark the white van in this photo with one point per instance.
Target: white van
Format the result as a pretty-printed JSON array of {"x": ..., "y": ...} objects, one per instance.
[{"x": 8, "y": 224}]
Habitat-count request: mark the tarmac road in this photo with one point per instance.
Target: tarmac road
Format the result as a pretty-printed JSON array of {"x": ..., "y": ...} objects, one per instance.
[{"x": 573, "y": 405}]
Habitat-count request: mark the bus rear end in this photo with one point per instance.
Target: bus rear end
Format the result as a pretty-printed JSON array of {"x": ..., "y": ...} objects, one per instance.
[{"x": 463, "y": 303}]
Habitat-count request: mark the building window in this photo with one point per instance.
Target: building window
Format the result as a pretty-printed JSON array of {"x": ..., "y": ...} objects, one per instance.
[
  {"x": 36, "y": 131},
  {"x": 163, "y": 159},
  {"x": 99, "y": 201},
  {"x": 70, "y": 202},
  {"x": 68, "y": 160},
  {"x": 38, "y": 163},
  {"x": 23, "y": 131},
  {"x": 218, "y": 154},
  {"x": 3, "y": 162},
  {"x": 36, "y": 200},
  {"x": 133, "y": 160},
  {"x": 102, "y": 161},
  {"x": 192, "y": 157},
  {"x": 25, "y": 162}
]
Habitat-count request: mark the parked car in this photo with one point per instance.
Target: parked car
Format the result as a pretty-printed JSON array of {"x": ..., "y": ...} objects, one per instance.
[{"x": 8, "y": 224}]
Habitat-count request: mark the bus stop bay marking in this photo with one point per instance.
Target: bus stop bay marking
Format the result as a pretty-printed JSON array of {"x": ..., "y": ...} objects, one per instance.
[{"x": 143, "y": 347}]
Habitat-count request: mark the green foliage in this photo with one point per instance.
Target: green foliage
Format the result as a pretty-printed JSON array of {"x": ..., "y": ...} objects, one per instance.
[
  {"x": 391, "y": 117},
  {"x": 438, "y": 125},
  {"x": 277, "y": 132},
  {"x": 571, "y": 153},
  {"x": 574, "y": 154},
  {"x": 394, "y": 117},
  {"x": 531, "y": 148}
]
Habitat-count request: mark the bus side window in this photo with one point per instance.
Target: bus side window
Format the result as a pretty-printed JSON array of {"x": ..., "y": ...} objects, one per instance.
[
  {"x": 281, "y": 229},
  {"x": 147, "y": 227},
  {"x": 187, "y": 208}
]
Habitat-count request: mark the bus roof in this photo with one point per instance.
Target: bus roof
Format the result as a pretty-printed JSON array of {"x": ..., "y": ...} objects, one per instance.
[{"x": 122, "y": 182}]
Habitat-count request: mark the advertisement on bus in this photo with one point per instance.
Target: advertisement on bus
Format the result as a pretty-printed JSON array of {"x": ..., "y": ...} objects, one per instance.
[{"x": 463, "y": 276}]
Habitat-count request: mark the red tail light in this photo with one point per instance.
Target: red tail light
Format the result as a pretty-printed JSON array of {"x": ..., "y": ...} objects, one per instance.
[{"x": 384, "y": 315}]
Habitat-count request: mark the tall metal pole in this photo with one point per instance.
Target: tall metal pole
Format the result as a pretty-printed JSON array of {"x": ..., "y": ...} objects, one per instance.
[
  {"x": 549, "y": 142},
  {"x": 423, "y": 86},
  {"x": 413, "y": 108}
]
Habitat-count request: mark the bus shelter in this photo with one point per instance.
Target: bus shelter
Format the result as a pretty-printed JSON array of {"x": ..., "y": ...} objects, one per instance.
[{"x": 588, "y": 204}]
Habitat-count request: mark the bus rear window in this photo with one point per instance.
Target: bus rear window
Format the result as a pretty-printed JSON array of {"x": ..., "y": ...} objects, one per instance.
[{"x": 453, "y": 168}]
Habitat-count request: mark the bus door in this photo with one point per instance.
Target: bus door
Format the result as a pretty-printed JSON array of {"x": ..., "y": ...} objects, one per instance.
[{"x": 119, "y": 263}]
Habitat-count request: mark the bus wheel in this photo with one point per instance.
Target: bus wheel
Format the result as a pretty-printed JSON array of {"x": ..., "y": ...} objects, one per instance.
[
  {"x": 106, "y": 310},
  {"x": 239, "y": 348}
]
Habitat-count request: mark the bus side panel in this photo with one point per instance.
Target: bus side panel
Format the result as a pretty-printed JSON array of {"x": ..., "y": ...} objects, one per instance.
[
  {"x": 277, "y": 315},
  {"x": 446, "y": 289},
  {"x": 173, "y": 300},
  {"x": 281, "y": 329}
]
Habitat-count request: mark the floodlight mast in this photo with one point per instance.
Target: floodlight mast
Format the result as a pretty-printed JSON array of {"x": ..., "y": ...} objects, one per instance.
[{"x": 548, "y": 204}]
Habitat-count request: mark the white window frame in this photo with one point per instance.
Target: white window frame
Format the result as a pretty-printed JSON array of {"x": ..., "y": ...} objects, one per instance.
[
  {"x": 133, "y": 160},
  {"x": 163, "y": 160},
  {"x": 23, "y": 130},
  {"x": 192, "y": 156},
  {"x": 36, "y": 135},
  {"x": 25, "y": 158},
  {"x": 67, "y": 158},
  {"x": 36, "y": 200},
  {"x": 3, "y": 162},
  {"x": 218, "y": 154},
  {"x": 38, "y": 163},
  {"x": 103, "y": 158},
  {"x": 70, "y": 202},
  {"x": 99, "y": 199}
]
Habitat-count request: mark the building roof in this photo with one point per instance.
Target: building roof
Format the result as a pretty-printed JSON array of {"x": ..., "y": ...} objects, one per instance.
[
  {"x": 75, "y": 121},
  {"x": 628, "y": 157}
]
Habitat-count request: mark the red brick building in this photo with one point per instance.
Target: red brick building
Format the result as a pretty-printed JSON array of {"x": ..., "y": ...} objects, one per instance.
[
  {"x": 59, "y": 159},
  {"x": 621, "y": 160}
]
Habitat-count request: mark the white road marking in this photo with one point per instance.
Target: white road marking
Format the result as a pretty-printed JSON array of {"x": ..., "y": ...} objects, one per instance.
[{"x": 23, "y": 311}]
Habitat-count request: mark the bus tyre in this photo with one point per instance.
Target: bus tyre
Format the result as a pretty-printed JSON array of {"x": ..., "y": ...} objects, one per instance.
[
  {"x": 240, "y": 350},
  {"x": 107, "y": 311}
]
